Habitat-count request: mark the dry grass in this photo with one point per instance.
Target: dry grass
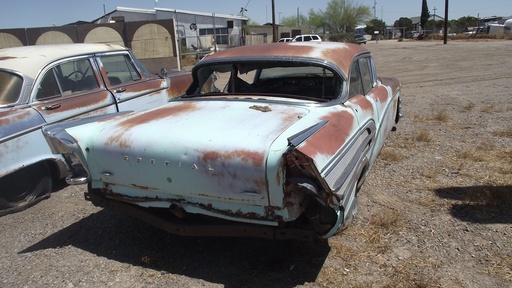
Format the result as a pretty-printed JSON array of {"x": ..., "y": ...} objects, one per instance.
[
  {"x": 440, "y": 116},
  {"x": 423, "y": 136},
  {"x": 506, "y": 133},
  {"x": 492, "y": 109},
  {"x": 472, "y": 154},
  {"x": 501, "y": 265},
  {"x": 468, "y": 107},
  {"x": 486, "y": 145},
  {"x": 391, "y": 155},
  {"x": 429, "y": 172}
]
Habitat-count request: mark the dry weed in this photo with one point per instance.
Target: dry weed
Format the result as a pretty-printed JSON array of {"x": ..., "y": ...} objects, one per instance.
[
  {"x": 429, "y": 173},
  {"x": 468, "y": 107},
  {"x": 441, "y": 116},
  {"x": 412, "y": 273},
  {"x": 472, "y": 155},
  {"x": 391, "y": 155},
  {"x": 491, "y": 109},
  {"x": 486, "y": 145},
  {"x": 423, "y": 136},
  {"x": 507, "y": 133},
  {"x": 501, "y": 266}
]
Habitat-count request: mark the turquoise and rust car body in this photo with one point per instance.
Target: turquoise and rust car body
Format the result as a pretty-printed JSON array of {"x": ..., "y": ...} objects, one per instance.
[
  {"x": 279, "y": 156},
  {"x": 48, "y": 84}
]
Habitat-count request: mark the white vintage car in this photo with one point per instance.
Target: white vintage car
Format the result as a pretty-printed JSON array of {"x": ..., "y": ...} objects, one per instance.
[
  {"x": 46, "y": 84},
  {"x": 270, "y": 141}
]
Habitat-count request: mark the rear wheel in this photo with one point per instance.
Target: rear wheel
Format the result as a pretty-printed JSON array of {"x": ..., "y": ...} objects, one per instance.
[{"x": 24, "y": 188}]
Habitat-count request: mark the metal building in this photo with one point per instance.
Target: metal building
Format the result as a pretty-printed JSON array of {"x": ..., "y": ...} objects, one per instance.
[{"x": 195, "y": 30}]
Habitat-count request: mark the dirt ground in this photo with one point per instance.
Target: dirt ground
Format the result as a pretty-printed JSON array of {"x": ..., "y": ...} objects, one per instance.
[{"x": 436, "y": 210}]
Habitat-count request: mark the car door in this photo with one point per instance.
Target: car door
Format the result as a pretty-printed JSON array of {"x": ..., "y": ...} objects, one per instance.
[
  {"x": 370, "y": 99},
  {"x": 71, "y": 89},
  {"x": 134, "y": 88}
]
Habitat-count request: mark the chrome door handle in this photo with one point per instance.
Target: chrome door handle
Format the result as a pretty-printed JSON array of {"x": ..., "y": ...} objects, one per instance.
[
  {"x": 51, "y": 107},
  {"x": 119, "y": 90}
]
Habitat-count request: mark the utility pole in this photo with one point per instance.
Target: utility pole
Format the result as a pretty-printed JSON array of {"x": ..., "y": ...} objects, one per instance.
[
  {"x": 274, "y": 27},
  {"x": 434, "y": 28},
  {"x": 445, "y": 38},
  {"x": 375, "y": 9}
]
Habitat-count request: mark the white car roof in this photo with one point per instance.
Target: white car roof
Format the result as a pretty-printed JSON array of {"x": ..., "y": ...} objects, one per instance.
[{"x": 29, "y": 60}]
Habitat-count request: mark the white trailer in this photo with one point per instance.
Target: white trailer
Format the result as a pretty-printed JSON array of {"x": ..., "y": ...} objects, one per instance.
[{"x": 507, "y": 27}]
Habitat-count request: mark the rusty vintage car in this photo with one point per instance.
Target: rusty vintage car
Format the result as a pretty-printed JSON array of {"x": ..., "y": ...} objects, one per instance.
[
  {"x": 270, "y": 141},
  {"x": 46, "y": 84}
]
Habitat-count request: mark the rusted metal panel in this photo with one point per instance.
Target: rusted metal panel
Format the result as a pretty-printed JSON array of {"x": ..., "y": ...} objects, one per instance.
[
  {"x": 200, "y": 227},
  {"x": 17, "y": 121},
  {"x": 339, "y": 54},
  {"x": 80, "y": 105},
  {"x": 180, "y": 81},
  {"x": 192, "y": 158}
]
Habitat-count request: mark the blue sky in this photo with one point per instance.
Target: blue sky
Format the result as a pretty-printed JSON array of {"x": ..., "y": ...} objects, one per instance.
[{"x": 38, "y": 13}]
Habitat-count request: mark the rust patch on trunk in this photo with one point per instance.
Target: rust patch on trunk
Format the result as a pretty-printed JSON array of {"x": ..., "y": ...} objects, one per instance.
[
  {"x": 160, "y": 113},
  {"x": 254, "y": 157},
  {"x": 330, "y": 138},
  {"x": 147, "y": 117}
]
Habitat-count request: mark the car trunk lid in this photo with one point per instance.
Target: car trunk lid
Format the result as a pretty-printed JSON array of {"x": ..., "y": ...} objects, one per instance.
[{"x": 209, "y": 152}]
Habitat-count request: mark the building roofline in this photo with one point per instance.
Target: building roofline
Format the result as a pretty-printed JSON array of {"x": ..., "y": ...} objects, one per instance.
[{"x": 202, "y": 13}]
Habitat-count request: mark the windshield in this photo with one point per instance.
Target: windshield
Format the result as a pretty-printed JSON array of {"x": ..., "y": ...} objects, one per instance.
[
  {"x": 10, "y": 88},
  {"x": 291, "y": 80}
]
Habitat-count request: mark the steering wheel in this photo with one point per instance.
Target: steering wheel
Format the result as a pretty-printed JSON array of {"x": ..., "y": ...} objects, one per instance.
[{"x": 80, "y": 74}]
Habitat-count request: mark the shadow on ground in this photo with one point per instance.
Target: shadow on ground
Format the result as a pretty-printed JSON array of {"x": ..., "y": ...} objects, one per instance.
[
  {"x": 480, "y": 204},
  {"x": 233, "y": 262}
]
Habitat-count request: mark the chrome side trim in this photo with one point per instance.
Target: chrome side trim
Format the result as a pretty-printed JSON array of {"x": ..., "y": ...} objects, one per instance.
[{"x": 303, "y": 135}]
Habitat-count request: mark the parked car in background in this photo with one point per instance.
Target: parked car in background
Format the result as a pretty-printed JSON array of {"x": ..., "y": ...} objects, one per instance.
[
  {"x": 285, "y": 40},
  {"x": 307, "y": 37},
  {"x": 46, "y": 84},
  {"x": 360, "y": 39},
  {"x": 269, "y": 141}
]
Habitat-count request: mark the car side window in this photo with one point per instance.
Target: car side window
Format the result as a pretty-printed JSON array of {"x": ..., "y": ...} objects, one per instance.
[
  {"x": 48, "y": 88},
  {"x": 120, "y": 69},
  {"x": 366, "y": 76},
  {"x": 356, "y": 84},
  {"x": 66, "y": 79}
]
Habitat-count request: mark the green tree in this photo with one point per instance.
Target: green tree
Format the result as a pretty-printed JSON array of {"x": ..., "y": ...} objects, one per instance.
[
  {"x": 467, "y": 21},
  {"x": 454, "y": 26},
  {"x": 404, "y": 22},
  {"x": 317, "y": 20},
  {"x": 425, "y": 14},
  {"x": 342, "y": 16},
  {"x": 294, "y": 21},
  {"x": 375, "y": 25},
  {"x": 434, "y": 25}
]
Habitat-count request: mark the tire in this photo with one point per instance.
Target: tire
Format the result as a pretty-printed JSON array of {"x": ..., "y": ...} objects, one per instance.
[{"x": 24, "y": 188}]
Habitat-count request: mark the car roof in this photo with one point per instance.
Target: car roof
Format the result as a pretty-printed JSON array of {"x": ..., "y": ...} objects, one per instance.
[
  {"x": 29, "y": 60},
  {"x": 326, "y": 51}
]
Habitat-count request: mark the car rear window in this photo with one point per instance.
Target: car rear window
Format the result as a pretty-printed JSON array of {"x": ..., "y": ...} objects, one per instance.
[
  {"x": 270, "y": 79},
  {"x": 10, "y": 88}
]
